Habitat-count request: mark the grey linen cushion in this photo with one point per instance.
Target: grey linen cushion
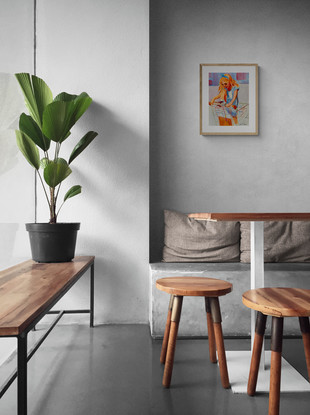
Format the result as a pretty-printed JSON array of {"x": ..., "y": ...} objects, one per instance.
[
  {"x": 190, "y": 240},
  {"x": 283, "y": 241}
]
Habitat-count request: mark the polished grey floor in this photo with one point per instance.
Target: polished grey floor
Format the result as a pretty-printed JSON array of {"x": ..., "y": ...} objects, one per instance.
[{"x": 115, "y": 370}]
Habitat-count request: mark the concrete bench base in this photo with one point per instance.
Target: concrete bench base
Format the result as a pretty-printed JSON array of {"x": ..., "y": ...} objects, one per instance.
[{"x": 236, "y": 317}]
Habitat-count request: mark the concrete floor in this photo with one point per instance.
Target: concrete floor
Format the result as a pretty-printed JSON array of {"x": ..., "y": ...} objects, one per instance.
[{"x": 115, "y": 370}]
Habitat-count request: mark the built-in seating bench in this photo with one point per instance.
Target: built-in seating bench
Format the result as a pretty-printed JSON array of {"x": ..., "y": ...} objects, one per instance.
[
  {"x": 222, "y": 250},
  {"x": 236, "y": 317}
]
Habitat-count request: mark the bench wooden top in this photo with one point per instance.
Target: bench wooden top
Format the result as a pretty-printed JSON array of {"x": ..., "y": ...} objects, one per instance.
[
  {"x": 279, "y": 302},
  {"x": 250, "y": 216},
  {"x": 194, "y": 286},
  {"x": 29, "y": 288}
]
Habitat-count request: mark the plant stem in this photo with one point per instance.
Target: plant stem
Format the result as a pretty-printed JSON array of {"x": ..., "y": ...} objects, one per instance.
[
  {"x": 57, "y": 150},
  {"x": 53, "y": 216},
  {"x": 60, "y": 208},
  {"x": 56, "y": 197},
  {"x": 44, "y": 188}
]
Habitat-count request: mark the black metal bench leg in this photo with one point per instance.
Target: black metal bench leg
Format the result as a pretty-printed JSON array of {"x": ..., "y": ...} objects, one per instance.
[
  {"x": 92, "y": 287},
  {"x": 22, "y": 374}
]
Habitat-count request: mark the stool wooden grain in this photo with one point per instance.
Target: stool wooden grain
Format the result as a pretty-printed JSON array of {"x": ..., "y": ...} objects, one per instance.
[
  {"x": 278, "y": 303},
  {"x": 211, "y": 289}
]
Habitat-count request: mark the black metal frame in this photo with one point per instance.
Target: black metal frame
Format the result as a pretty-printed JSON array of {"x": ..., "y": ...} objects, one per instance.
[{"x": 23, "y": 356}]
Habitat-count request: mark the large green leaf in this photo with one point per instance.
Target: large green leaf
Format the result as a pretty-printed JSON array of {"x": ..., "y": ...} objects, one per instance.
[
  {"x": 42, "y": 93},
  {"x": 24, "y": 81},
  {"x": 61, "y": 115},
  {"x": 37, "y": 95},
  {"x": 82, "y": 144},
  {"x": 58, "y": 120},
  {"x": 44, "y": 162},
  {"x": 82, "y": 102},
  {"x": 75, "y": 190},
  {"x": 64, "y": 96},
  {"x": 31, "y": 128},
  {"x": 56, "y": 171},
  {"x": 28, "y": 148}
]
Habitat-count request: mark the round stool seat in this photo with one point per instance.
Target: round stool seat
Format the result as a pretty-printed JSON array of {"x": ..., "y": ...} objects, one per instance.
[
  {"x": 279, "y": 301},
  {"x": 194, "y": 286}
]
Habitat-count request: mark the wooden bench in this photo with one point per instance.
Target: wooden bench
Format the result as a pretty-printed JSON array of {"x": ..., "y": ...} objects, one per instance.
[{"x": 28, "y": 291}]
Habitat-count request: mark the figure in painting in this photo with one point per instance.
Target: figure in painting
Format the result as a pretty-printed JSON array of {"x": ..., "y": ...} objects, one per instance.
[{"x": 227, "y": 101}]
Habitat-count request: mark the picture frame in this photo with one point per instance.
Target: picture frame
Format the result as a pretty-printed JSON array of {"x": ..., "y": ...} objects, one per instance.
[{"x": 228, "y": 99}]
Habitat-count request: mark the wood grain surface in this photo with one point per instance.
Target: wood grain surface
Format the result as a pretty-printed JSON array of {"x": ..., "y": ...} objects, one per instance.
[
  {"x": 29, "y": 288},
  {"x": 194, "y": 286},
  {"x": 279, "y": 301},
  {"x": 250, "y": 216}
]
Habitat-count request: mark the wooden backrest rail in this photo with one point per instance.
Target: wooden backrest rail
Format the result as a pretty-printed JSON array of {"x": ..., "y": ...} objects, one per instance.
[{"x": 251, "y": 216}]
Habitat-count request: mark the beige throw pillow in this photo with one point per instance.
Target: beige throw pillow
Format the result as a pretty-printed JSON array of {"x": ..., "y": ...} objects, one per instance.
[
  {"x": 283, "y": 241},
  {"x": 190, "y": 240}
]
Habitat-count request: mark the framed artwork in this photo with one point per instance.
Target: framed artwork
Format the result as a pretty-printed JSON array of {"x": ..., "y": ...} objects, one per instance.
[{"x": 228, "y": 99}]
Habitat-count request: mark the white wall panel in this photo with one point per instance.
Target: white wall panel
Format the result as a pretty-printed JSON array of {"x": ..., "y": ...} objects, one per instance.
[{"x": 101, "y": 47}]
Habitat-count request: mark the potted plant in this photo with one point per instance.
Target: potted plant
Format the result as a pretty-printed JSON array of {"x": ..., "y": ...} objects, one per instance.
[{"x": 40, "y": 138}]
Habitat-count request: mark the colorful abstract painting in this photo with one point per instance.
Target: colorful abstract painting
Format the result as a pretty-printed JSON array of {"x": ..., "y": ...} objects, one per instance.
[{"x": 228, "y": 99}]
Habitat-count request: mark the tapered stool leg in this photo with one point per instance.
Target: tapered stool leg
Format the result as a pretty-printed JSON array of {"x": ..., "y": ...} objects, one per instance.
[
  {"x": 305, "y": 331},
  {"x": 217, "y": 324},
  {"x": 275, "y": 365},
  {"x": 174, "y": 326},
  {"x": 167, "y": 331},
  {"x": 211, "y": 336},
  {"x": 256, "y": 352}
]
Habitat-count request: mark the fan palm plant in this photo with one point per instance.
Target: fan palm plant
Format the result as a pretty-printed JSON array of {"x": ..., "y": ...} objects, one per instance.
[{"x": 42, "y": 133}]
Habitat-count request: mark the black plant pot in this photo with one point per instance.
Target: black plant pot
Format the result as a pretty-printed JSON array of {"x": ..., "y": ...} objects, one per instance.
[{"x": 52, "y": 242}]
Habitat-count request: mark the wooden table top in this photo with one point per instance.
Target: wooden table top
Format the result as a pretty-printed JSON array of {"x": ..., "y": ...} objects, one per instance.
[
  {"x": 279, "y": 301},
  {"x": 194, "y": 286},
  {"x": 251, "y": 216},
  {"x": 29, "y": 288}
]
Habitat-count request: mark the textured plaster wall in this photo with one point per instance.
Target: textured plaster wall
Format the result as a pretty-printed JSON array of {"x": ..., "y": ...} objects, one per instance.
[
  {"x": 16, "y": 181},
  {"x": 190, "y": 172}
]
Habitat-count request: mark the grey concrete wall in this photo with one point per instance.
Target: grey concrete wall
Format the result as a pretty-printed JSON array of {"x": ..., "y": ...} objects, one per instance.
[{"x": 190, "y": 172}]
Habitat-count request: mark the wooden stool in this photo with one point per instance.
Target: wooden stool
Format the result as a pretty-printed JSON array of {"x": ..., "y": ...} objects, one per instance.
[
  {"x": 278, "y": 303},
  {"x": 209, "y": 288}
]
